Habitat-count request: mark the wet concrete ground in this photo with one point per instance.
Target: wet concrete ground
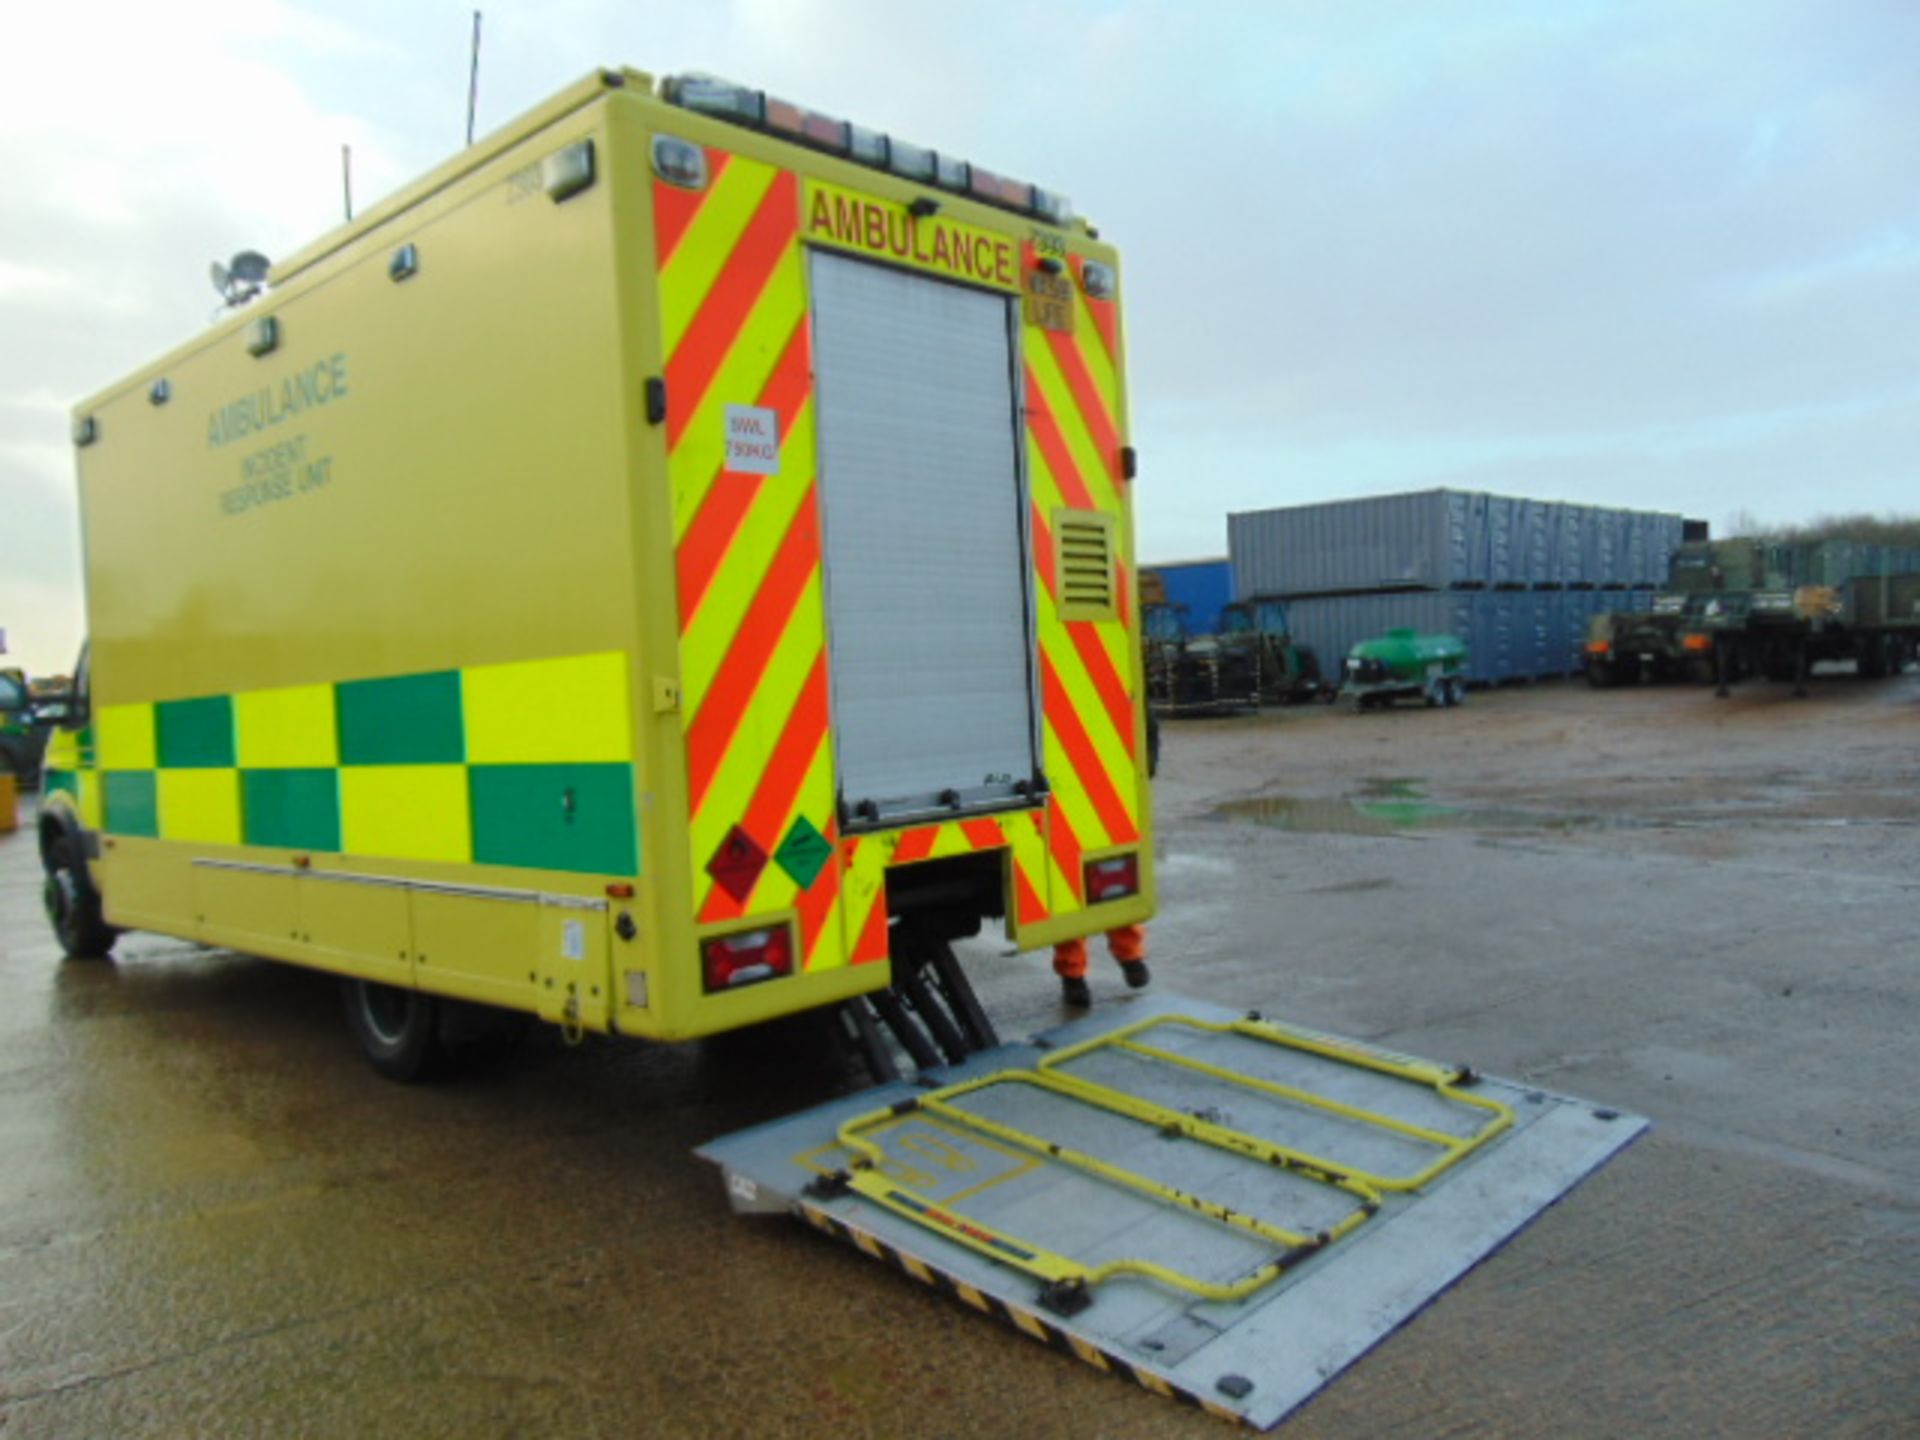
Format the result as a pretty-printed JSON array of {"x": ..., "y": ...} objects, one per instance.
[{"x": 215, "y": 1220}]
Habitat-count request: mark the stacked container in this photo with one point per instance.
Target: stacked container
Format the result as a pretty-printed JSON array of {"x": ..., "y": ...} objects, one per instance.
[{"x": 1519, "y": 580}]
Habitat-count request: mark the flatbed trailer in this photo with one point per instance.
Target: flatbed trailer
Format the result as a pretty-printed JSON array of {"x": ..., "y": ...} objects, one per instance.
[{"x": 1873, "y": 621}]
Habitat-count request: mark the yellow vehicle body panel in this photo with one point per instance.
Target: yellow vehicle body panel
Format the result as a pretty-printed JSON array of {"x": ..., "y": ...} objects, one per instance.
[{"x": 422, "y": 651}]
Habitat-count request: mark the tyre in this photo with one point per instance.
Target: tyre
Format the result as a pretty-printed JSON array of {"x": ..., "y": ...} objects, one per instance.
[
  {"x": 398, "y": 1029},
  {"x": 1456, "y": 690},
  {"x": 72, "y": 904}
]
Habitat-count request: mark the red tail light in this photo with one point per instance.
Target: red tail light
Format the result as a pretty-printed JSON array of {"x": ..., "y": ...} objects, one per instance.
[
  {"x": 1113, "y": 878},
  {"x": 731, "y": 961}
]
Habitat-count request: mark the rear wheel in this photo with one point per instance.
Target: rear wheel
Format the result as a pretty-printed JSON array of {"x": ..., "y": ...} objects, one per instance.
[
  {"x": 399, "y": 1029},
  {"x": 72, "y": 904},
  {"x": 1456, "y": 690}
]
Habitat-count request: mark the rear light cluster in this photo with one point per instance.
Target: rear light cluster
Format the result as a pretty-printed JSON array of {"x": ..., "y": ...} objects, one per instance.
[
  {"x": 744, "y": 106},
  {"x": 1113, "y": 878},
  {"x": 747, "y": 957}
]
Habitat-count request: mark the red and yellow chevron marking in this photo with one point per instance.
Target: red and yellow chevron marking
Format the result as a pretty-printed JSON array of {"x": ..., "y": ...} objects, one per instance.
[
  {"x": 864, "y": 895},
  {"x": 1088, "y": 668},
  {"x": 753, "y": 665},
  {"x": 753, "y": 659},
  {"x": 869, "y": 858},
  {"x": 1027, "y": 839}
]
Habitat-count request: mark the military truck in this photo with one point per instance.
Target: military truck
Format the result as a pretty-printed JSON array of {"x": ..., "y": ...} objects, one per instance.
[
  {"x": 1625, "y": 647},
  {"x": 1778, "y": 608},
  {"x": 23, "y": 734}
]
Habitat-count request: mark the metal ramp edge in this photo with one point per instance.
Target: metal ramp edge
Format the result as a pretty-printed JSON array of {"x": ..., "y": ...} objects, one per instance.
[{"x": 1254, "y": 1359}]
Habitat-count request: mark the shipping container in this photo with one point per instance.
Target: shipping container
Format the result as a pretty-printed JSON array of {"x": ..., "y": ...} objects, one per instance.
[
  {"x": 1446, "y": 539},
  {"x": 1568, "y": 564},
  {"x": 1536, "y": 542},
  {"x": 1432, "y": 540}
]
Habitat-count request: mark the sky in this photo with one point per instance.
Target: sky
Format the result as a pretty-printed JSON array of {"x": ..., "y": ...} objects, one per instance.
[{"x": 1655, "y": 253}]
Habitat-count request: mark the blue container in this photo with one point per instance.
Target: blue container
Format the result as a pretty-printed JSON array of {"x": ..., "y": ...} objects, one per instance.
[{"x": 1204, "y": 587}]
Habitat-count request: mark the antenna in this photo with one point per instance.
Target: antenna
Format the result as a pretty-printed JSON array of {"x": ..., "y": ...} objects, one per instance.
[
  {"x": 473, "y": 77},
  {"x": 346, "y": 178}
]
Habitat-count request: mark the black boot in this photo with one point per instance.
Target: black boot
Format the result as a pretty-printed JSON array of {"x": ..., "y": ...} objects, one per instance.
[
  {"x": 1074, "y": 992},
  {"x": 1136, "y": 974}
]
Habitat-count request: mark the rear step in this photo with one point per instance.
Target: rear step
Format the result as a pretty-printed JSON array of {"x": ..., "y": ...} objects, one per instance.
[
  {"x": 1226, "y": 1209},
  {"x": 930, "y": 1010}
]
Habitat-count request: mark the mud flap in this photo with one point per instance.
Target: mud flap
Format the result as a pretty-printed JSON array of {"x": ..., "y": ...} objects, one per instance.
[{"x": 1225, "y": 1209}]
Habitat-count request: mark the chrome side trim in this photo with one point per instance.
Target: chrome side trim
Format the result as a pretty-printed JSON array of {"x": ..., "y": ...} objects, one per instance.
[{"x": 429, "y": 887}]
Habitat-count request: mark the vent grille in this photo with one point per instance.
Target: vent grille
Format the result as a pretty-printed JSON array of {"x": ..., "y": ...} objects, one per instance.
[{"x": 1083, "y": 542}]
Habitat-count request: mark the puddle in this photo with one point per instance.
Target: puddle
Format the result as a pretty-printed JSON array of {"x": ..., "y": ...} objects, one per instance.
[
  {"x": 1388, "y": 807},
  {"x": 1390, "y": 787}
]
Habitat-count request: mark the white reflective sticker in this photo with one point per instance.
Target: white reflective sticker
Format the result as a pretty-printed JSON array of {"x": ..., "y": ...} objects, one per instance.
[
  {"x": 742, "y": 1187},
  {"x": 753, "y": 440},
  {"x": 573, "y": 939}
]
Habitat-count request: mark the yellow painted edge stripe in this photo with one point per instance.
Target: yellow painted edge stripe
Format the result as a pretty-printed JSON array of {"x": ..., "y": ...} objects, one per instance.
[
  {"x": 1027, "y": 1323},
  {"x": 971, "y": 1296}
]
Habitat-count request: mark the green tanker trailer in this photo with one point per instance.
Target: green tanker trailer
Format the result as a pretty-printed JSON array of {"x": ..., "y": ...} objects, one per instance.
[{"x": 1404, "y": 663}]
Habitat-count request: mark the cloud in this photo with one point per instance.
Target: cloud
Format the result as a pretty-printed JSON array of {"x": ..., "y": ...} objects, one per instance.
[{"x": 1665, "y": 253}]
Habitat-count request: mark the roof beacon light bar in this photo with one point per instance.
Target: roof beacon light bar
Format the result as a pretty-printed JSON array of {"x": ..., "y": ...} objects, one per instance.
[{"x": 740, "y": 105}]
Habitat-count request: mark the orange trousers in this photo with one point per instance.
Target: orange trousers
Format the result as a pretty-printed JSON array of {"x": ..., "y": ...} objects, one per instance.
[{"x": 1124, "y": 942}]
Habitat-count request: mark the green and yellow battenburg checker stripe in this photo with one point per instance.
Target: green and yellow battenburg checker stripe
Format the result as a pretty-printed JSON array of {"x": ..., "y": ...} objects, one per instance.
[{"x": 528, "y": 764}]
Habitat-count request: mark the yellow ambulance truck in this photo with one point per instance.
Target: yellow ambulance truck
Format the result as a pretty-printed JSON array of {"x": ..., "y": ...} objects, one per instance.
[
  {"x": 624, "y": 578},
  {"x": 670, "y": 569}
]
